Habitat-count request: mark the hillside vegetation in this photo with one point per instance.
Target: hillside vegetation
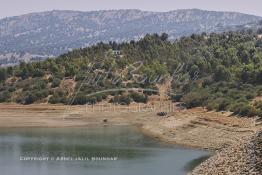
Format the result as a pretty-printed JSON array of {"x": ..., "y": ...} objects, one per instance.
[{"x": 219, "y": 71}]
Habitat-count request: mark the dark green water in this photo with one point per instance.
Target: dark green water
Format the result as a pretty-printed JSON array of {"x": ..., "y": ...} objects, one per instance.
[{"x": 135, "y": 153}]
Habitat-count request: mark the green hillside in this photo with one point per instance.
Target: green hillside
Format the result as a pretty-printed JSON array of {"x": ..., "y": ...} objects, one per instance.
[{"x": 219, "y": 71}]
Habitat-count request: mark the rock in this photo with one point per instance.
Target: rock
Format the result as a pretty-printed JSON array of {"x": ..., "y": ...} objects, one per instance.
[
  {"x": 162, "y": 114},
  {"x": 242, "y": 158}
]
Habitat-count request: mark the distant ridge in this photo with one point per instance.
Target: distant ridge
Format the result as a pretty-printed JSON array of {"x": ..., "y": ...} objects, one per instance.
[{"x": 51, "y": 33}]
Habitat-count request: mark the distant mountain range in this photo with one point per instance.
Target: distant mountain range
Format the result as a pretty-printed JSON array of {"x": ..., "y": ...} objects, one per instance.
[{"x": 36, "y": 36}]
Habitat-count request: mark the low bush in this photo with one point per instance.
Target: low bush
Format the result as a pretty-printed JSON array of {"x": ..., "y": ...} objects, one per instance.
[
  {"x": 121, "y": 99},
  {"x": 139, "y": 98}
]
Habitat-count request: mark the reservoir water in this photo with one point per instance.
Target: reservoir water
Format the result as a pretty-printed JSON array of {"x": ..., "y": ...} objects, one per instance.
[{"x": 114, "y": 150}]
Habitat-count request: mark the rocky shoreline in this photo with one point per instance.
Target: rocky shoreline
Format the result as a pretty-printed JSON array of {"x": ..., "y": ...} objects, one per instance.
[{"x": 244, "y": 158}]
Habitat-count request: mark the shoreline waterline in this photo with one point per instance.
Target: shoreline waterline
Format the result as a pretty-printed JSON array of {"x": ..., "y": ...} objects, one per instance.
[
  {"x": 40, "y": 147},
  {"x": 194, "y": 129}
]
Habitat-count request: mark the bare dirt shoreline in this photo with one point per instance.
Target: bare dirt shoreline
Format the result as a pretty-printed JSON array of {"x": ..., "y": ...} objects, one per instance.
[{"x": 193, "y": 128}]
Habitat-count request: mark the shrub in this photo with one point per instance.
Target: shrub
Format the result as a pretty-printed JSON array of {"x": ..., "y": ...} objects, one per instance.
[
  {"x": 80, "y": 99},
  {"x": 41, "y": 94},
  {"x": 243, "y": 109},
  {"x": 39, "y": 85},
  {"x": 38, "y": 73},
  {"x": 54, "y": 99},
  {"x": 219, "y": 104},
  {"x": 4, "y": 96},
  {"x": 212, "y": 106},
  {"x": 139, "y": 98},
  {"x": 59, "y": 96},
  {"x": 33, "y": 96},
  {"x": 195, "y": 99},
  {"x": 11, "y": 89},
  {"x": 258, "y": 105},
  {"x": 123, "y": 100},
  {"x": 177, "y": 97},
  {"x": 30, "y": 98},
  {"x": 50, "y": 79},
  {"x": 55, "y": 82}
]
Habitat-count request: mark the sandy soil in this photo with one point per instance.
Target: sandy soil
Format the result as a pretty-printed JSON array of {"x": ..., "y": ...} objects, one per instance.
[{"x": 194, "y": 128}]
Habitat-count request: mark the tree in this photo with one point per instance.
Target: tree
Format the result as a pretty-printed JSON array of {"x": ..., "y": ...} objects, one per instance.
[
  {"x": 38, "y": 72},
  {"x": 221, "y": 74},
  {"x": 259, "y": 31},
  {"x": 55, "y": 82},
  {"x": 4, "y": 96},
  {"x": 30, "y": 98},
  {"x": 193, "y": 71},
  {"x": 164, "y": 36},
  {"x": 3, "y": 75}
]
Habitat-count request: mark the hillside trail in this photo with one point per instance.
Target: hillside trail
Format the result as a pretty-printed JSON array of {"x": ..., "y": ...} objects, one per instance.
[{"x": 165, "y": 89}]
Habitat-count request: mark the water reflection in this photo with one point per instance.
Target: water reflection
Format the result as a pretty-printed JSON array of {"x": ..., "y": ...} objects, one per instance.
[{"x": 136, "y": 153}]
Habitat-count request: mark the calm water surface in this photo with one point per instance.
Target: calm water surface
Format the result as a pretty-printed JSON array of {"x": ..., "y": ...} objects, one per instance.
[{"x": 136, "y": 154}]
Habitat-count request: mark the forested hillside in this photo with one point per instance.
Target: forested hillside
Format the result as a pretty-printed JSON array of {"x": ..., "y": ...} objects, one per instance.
[{"x": 219, "y": 71}]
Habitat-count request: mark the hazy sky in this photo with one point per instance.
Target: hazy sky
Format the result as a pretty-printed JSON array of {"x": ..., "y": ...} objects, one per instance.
[{"x": 17, "y": 7}]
